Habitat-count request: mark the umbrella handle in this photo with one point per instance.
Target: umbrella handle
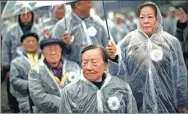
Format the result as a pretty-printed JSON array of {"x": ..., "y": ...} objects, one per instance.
[{"x": 106, "y": 20}]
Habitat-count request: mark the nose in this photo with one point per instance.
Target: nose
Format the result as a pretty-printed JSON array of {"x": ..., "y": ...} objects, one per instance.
[
  {"x": 25, "y": 16},
  {"x": 146, "y": 20},
  {"x": 89, "y": 66},
  {"x": 53, "y": 50}
]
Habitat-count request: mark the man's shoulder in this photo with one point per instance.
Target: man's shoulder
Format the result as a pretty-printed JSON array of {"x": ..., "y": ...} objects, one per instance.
[
  {"x": 13, "y": 27},
  {"x": 38, "y": 67}
]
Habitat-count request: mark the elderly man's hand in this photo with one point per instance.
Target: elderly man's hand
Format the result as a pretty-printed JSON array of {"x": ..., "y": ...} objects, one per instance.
[
  {"x": 182, "y": 16},
  {"x": 66, "y": 39},
  {"x": 111, "y": 49},
  {"x": 46, "y": 33}
]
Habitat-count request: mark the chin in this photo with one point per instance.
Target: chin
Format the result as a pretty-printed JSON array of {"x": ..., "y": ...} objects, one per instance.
[{"x": 91, "y": 79}]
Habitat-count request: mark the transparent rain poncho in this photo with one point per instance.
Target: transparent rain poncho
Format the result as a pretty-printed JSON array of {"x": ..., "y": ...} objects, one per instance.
[
  {"x": 82, "y": 96},
  {"x": 20, "y": 67},
  {"x": 45, "y": 91},
  {"x": 82, "y": 32},
  {"x": 154, "y": 68}
]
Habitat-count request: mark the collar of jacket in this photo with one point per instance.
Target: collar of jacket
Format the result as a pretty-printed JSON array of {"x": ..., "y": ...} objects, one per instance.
[{"x": 21, "y": 51}]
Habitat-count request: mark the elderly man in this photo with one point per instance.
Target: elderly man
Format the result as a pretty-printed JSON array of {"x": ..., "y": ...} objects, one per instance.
[
  {"x": 80, "y": 29},
  {"x": 96, "y": 91},
  {"x": 20, "y": 67},
  {"x": 50, "y": 75}
]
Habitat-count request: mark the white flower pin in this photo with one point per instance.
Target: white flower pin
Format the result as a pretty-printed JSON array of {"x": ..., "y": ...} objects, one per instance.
[
  {"x": 72, "y": 76},
  {"x": 92, "y": 31},
  {"x": 113, "y": 103},
  {"x": 157, "y": 55}
]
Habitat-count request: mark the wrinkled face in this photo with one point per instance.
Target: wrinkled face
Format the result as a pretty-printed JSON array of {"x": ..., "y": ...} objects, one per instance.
[
  {"x": 60, "y": 12},
  {"x": 147, "y": 20},
  {"x": 93, "y": 65},
  {"x": 52, "y": 53},
  {"x": 26, "y": 18},
  {"x": 30, "y": 44},
  {"x": 84, "y": 6}
]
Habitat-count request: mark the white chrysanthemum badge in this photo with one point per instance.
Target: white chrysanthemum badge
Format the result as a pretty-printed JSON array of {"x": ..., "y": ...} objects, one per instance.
[
  {"x": 72, "y": 76},
  {"x": 92, "y": 31},
  {"x": 113, "y": 103},
  {"x": 157, "y": 55}
]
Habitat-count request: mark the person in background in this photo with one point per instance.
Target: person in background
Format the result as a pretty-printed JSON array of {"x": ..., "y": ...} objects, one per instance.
[
  {"x": 131, "y": 24},
  {"x": 50, "y": 76},
  {"x": 182, "y": 32},
  {"x": 57, "y": 13},
  {"x": 151, "y": 61},
  {"x": 20, "y": 66},
  {"x": 119, "y": 31},
  {"x": 97, "y": 91},
  {"x": 80, "y": 29},
  {"x": 170, "y": 21}
]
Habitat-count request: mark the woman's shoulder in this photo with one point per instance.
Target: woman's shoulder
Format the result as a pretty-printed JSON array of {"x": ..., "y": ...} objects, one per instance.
[
  {"x": 169, "y": 37},
  {"x": 125, "y": 41}
]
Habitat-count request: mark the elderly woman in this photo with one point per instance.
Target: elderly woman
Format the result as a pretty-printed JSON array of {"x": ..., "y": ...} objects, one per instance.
[{"x": 151, "y": 61}]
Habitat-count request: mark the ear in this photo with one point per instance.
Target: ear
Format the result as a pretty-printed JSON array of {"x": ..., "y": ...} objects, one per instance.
[
  {"x": 77, "y": 4},
  {"x": 22, "y": 44}
]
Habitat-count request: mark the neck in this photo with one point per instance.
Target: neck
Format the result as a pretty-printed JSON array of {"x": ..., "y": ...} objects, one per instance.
[
  {"x": 33, "y": 53},
  {"x": 79, "y": 14},
  {"x": 53, "y": 65},
  {"x": 99, "y": 80}
]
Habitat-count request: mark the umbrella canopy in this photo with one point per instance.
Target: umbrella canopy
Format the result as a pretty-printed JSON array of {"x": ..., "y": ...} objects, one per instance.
[
  {"x": 50, "y": 3},
  {"x": 13, "y": 8},
  {"x": 8, "y": 10}
]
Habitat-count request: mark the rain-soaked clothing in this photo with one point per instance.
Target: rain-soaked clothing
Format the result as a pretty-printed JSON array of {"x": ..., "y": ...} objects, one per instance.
[
  {"x": 154, "y": 68},
  {"x": 44, "y": 87},
  {"x": 83, "y": 32},
  {"x": 83, "y": 96},
  {"x": 20, "y": 67}
]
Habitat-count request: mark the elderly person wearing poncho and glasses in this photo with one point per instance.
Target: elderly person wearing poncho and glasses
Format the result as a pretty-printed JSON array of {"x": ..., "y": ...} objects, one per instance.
[{"x": 50, "y": 76}]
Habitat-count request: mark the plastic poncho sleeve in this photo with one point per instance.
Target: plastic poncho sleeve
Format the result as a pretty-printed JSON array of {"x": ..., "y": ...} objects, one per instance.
[
  {"x": 180, "y": 31},
  {"x": 46, "y": 102},
  {"x": 181, "y": 79},
  {"x": 16, "y": 80},
  {"x": 117, "y": 68},
  {"x": 6, "y": 49}
]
